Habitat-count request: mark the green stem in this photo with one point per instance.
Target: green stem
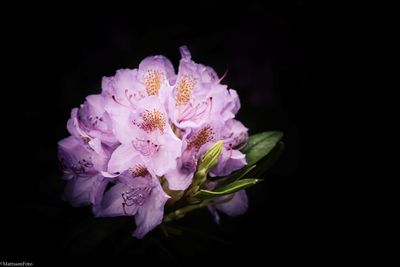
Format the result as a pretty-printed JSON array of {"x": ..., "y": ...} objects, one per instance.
[{"x": 180, "y": 213}]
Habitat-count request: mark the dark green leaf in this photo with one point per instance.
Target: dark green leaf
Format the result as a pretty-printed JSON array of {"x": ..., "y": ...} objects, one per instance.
[
  {"x": 259, "y": 145},
  {"x": 235, "y": 176},
  {"x": 227, "y": 189},
  {"x": 267, "y": 162}
]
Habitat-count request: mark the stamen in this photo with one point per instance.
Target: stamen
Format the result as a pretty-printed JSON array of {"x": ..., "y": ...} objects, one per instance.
[
  {"x": 139, "y": 171},
  {"x": 185, "y": 88},
  {"x": 202, "y": 137},
  {"x": 145, "y": 147},
  {"x": 201, "y": 110},
  {"x": 152, "y": 120},
  {"x": 135, "y": 197},
  {"x": 152, "y": 81},
  {"x": 129, "y": 97},
  {"x": 223, "y": 76},
  {"x": 85, "y": 163}
]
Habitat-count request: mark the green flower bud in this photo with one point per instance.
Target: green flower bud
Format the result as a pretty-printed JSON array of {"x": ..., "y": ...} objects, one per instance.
[{"x": 210, "y": 158}]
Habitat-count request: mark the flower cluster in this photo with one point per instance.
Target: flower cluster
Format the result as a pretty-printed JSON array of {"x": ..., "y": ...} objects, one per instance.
[{"x": 144, "y": 137}]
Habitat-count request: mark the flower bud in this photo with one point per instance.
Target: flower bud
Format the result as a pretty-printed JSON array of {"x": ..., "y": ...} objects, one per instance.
[{"x": 210, "y": 158}]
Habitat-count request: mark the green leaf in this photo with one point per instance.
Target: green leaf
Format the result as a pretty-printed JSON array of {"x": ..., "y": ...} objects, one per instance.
[
  {"x": 227, "y": 189},
  {"x": 235, "y": 176},
  {"x": 259, "y": 145},
  {"x": 268, "y": 161}
]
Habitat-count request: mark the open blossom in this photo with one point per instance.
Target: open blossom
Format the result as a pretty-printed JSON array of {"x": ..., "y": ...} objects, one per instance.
[
  {"x": 137, "y": 192},
  {"x": 148, "y": 124},
  {"x": 91, "y": 121},
  {"x": 81, "y": 166}
]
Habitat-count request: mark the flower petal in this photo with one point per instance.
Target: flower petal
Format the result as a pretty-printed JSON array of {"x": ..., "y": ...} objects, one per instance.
[
  {"x": 236, "y": 206},
  {"x": 179, "y": 179},
  {"x": 165, "y": 158},
  {"x": 154, "y": 70},
  {"x": 75, "y": 159},
  {"x": 112, "y": 203},
  {"x": 214, "y": 213},
  {"x": 151, "y": 213},
  {"x": 122, "y": 159},
  {"x": 230, "y": 160},
  {"x": 79, "y": 190}
]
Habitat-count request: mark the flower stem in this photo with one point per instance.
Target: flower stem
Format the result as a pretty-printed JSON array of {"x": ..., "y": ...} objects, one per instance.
[{"x": 180, "y": 213}]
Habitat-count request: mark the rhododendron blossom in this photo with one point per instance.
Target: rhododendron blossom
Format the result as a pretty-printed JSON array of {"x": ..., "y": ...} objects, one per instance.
[{"x": 147, "y": 134}]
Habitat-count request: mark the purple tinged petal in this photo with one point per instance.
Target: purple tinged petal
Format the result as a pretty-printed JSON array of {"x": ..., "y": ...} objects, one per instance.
[
  {"x": 75, "y": 159},
  {"x": 120, "y": 199},
  {"x": 185, "y": 52},
  {"x": 96, "y": 104},
  {"x": 179, "y": 178},
  {"x": 151, "y": 213},
  {"x": 235, "y": 134},
  {"x": 91, "y": 121},
  {"x": 165, "y": 158},
  {"x": 153, "y": 138},
  {"x": 79, "y": 190},
  {"x": 122, "y": 122},
  {"x": 122, "y": 159},
  {"x": 73, "y": 125},
  {"x": 223, "y": 106},
  {"x": 230, "y": 160},
  {"x": 234, "y": 102},
  {"x": 214, "y": 213},
  {"x": 208, "y": 74},
  {"x": 155, "y": 70},
  {"x": 123, "y": 90},
  {"x": 189, "y": 104},
  {"x": 112, "y": 203},
  {"x": 236, "y": 206},
  {"x": 101, "y": 155},
  {"x": 97, "y": 192}
]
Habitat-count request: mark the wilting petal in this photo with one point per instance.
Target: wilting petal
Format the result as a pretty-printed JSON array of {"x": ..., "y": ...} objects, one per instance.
[
  {"x": 236, "y": 206},
  {"x": 151, "y": 213}
]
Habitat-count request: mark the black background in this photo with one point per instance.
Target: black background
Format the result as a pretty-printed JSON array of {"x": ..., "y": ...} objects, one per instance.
[{"x": 270, "y": 51}]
